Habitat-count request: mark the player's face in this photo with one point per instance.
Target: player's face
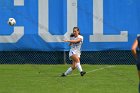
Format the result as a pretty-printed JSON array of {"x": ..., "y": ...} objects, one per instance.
[{"x": 75, "y": 32}]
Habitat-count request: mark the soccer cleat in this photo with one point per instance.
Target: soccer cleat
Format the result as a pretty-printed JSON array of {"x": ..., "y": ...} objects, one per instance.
[
  {"x": 82, "y": 73},
  {"x": 63, "y": 75}
]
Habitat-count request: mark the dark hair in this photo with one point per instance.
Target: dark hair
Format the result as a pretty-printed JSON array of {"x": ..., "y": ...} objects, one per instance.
[
  {"x": 71, "y": 35},
  {"x": 77, "y": 29}
]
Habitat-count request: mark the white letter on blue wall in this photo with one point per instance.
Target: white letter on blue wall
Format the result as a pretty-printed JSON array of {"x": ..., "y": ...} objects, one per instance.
[
  {"x": 18, "y": 31},
  {"x": 44, "y": 19},
  {"x": 98, "y": 26}
]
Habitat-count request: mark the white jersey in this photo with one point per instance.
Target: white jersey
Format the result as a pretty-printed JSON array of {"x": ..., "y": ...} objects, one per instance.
[{"x": 76, "y": 47}]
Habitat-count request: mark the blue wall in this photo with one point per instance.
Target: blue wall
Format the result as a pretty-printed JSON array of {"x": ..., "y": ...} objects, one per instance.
[{"x": 118, "y": 15}]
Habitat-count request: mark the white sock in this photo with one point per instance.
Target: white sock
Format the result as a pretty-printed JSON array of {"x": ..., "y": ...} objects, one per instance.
[
  {"x": 79, "y": 67},
  {"x": 68, "y": 71}
]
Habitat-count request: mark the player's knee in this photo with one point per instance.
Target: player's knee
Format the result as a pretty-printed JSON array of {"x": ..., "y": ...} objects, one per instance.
[
  {"x": 75, "y": 58},
  {"x": 73, "y": 67}
]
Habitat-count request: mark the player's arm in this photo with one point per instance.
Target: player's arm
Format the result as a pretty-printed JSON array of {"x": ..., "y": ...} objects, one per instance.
[
  {"x": 133, "y": 49},
  {"x": 73, "y": 41}
]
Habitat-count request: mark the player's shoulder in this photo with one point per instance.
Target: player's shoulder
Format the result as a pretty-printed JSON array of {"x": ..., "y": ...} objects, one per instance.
[
  {"x": 138, "y": 38},
  {"x": 80, "y": 36}
]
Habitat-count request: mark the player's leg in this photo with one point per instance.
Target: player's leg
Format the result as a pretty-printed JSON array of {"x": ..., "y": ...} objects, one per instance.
[
  {"x": 68, "y": 71},
  {"x": 79, "y": 67},
  {"x": 138, "y": 68},
  {"x": 139, "y": 80},
  {"x": 73, "y": 66},
  {"x": 76, "y": 60}
]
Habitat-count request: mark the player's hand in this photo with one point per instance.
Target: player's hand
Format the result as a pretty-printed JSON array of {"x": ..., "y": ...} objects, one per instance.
[{"x": 66, "y": 40}]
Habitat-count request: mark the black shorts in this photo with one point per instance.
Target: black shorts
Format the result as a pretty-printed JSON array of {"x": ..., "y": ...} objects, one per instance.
[
  {"x": 138, "y": 62},
  {"x": 138, "y": 66}
]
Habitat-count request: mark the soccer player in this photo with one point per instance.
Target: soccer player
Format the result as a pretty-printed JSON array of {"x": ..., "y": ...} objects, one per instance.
[
  {"x": 76, "y": 41},
  {"x": 136, "y": 55}
]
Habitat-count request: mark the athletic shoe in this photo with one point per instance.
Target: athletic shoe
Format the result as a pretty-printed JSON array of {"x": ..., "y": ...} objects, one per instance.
[
  {"x": 82, "y": 73},
  {"x": 63, "y": 75}
]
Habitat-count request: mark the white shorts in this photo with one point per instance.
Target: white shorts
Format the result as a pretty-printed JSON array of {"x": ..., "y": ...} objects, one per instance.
[{"x": 73, "y": 52}]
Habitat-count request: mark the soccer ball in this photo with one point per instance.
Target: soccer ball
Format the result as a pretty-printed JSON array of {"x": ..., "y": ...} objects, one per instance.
[{"x": 11, "y": 21}]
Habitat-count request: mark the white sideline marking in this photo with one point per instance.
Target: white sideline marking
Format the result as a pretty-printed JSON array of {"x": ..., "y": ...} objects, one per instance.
[{"x": 95, "y": 70}]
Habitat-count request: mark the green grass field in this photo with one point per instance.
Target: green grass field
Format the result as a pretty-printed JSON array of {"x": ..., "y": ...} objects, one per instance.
[{"x": 31, "y": 78}]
